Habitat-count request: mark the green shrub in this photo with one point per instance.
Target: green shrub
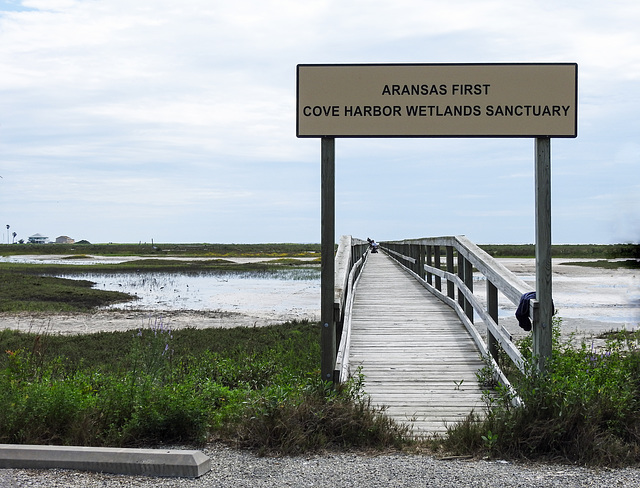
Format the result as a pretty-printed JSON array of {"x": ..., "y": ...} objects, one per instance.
[
  {"x": 254, "y": 387},
  {"x": 586, "y": 409},
  {"x": 315, "y": 416}
]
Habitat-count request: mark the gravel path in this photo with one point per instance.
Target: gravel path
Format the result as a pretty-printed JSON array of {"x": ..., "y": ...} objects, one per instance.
[{"x": 239, "y": 469}]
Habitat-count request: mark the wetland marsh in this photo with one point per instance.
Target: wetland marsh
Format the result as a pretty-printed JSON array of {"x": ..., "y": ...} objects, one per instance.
[{"x": 265, "y": 285}]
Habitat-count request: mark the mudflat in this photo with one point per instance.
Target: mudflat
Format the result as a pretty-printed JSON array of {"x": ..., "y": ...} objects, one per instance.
[
  {"x": 589, "y": 300},
  {"x": 114, "y": 320}
]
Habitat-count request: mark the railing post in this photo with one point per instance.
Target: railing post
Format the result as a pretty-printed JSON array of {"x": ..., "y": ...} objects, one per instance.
[
  {"x": 420, "y": 262},
  {"x": 429, "y": 263},
  {"x": 451, "y": 289},
  {"x": 413, "y": 252},
  {"x": 461, "y": 261},
  {"x": 492, "y": 310},
  {"x": 436, "y": 258},
  {"x": 468, "y": 281}
]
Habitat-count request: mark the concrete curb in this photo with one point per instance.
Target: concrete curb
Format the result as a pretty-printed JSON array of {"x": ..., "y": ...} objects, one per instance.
[{"x": 147, "y": 462}]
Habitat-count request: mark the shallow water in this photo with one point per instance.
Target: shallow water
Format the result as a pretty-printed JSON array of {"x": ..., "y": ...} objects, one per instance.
[{"x": 279, "y": 292}]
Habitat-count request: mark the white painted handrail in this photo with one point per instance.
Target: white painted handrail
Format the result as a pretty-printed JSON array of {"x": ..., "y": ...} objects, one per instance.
[{"x": 350, "y": 257}]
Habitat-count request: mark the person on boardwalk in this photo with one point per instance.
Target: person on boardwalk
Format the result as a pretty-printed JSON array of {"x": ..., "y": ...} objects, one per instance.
[{"x": 373, "y": 245}]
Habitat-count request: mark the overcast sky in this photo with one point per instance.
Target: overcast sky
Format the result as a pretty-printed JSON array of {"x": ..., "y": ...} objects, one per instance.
[{"x": 127, "y": 121}]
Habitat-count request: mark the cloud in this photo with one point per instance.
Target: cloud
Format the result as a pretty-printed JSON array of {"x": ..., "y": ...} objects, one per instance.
[{"x": 184, "y": 113}]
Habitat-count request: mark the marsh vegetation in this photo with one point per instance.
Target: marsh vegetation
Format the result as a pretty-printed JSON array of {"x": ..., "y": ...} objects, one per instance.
[
  {"x": 259, "y": 388},
  {"x": 584, "y": 410},
  {"x": 62, "y": 287},
  {"x": 249, "y": 387}
]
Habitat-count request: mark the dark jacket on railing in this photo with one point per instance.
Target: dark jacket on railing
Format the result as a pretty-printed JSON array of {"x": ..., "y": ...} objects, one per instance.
[{"x": 522, "y": 312}]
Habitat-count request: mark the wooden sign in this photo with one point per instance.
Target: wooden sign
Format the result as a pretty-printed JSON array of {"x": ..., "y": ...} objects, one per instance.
[{"x": 437, "y": 100}]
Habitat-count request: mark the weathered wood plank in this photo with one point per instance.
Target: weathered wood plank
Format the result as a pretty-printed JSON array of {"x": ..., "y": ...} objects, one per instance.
[{"x": 418, "y": 360}]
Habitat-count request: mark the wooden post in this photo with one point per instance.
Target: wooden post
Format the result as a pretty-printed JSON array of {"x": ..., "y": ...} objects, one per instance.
[
  {"x": 429, "y": 263},
  {"x": 450, "y": 268},
  {"x": 327, "y": 249},
  {"x": 542, "y": 330},
  {"x": 421, "y": 261},
  {"x": 492, "y": 310},
  {"x": 468, "y": 280},
  {"x": 436, "y": 264},
  {"x": 461, "y": 261},
  {"x": 413, "y": 252}
]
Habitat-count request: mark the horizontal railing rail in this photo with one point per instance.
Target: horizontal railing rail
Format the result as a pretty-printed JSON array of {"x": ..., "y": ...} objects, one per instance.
[
  {"x": 350, "y": 258},
  {"x": 423, "y": 258}
]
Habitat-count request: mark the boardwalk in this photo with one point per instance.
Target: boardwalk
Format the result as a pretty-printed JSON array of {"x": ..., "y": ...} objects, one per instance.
[{"x": 417, "y": 358}]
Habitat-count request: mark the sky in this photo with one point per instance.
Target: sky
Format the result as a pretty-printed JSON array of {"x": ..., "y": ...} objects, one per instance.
[{"x": 175, "y": 121}]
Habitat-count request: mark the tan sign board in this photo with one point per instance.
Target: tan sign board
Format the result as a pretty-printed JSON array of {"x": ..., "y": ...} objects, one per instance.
[{"x": 437, "y": 100}]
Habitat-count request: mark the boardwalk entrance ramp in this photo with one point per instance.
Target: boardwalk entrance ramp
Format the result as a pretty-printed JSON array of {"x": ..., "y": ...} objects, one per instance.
[{"x": 417, "y": 358}]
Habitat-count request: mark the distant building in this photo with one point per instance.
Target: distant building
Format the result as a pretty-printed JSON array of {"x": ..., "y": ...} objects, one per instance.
[
  {"x": 64, "y": 240},
  {"x": 38, "y": 239}
]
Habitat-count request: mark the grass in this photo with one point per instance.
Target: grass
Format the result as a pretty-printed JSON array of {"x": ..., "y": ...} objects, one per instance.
[
  {"x": 615, "y": 334},
  {"x": 255, "y": 388},
  {"x": 597, "y": 251},
  {"x": 157, "y": 266},
  {"x": 158, "y": 249},
  {"x": 626, "y": 264},
  {"x": 586, "y": 410},
  {"x": 27, "y": 292},
  {"x": 259, "y": 388}
]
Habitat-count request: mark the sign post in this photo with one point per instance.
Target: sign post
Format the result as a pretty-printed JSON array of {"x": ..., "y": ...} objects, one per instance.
[
  {"x": 537, "y": 100},
  {"x": 542, "y": 330},
  {"x": 327, "y": 256}
]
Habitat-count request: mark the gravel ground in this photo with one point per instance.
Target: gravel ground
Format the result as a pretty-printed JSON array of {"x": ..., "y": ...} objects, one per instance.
[{"x": 238, "y": 469}]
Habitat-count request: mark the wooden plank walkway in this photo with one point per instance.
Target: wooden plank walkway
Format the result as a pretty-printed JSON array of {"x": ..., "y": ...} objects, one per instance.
[{"x": 413, "y": 349}]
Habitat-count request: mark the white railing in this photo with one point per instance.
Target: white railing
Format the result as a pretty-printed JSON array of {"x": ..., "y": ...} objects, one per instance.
[{"x": 350, "y": 257}]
